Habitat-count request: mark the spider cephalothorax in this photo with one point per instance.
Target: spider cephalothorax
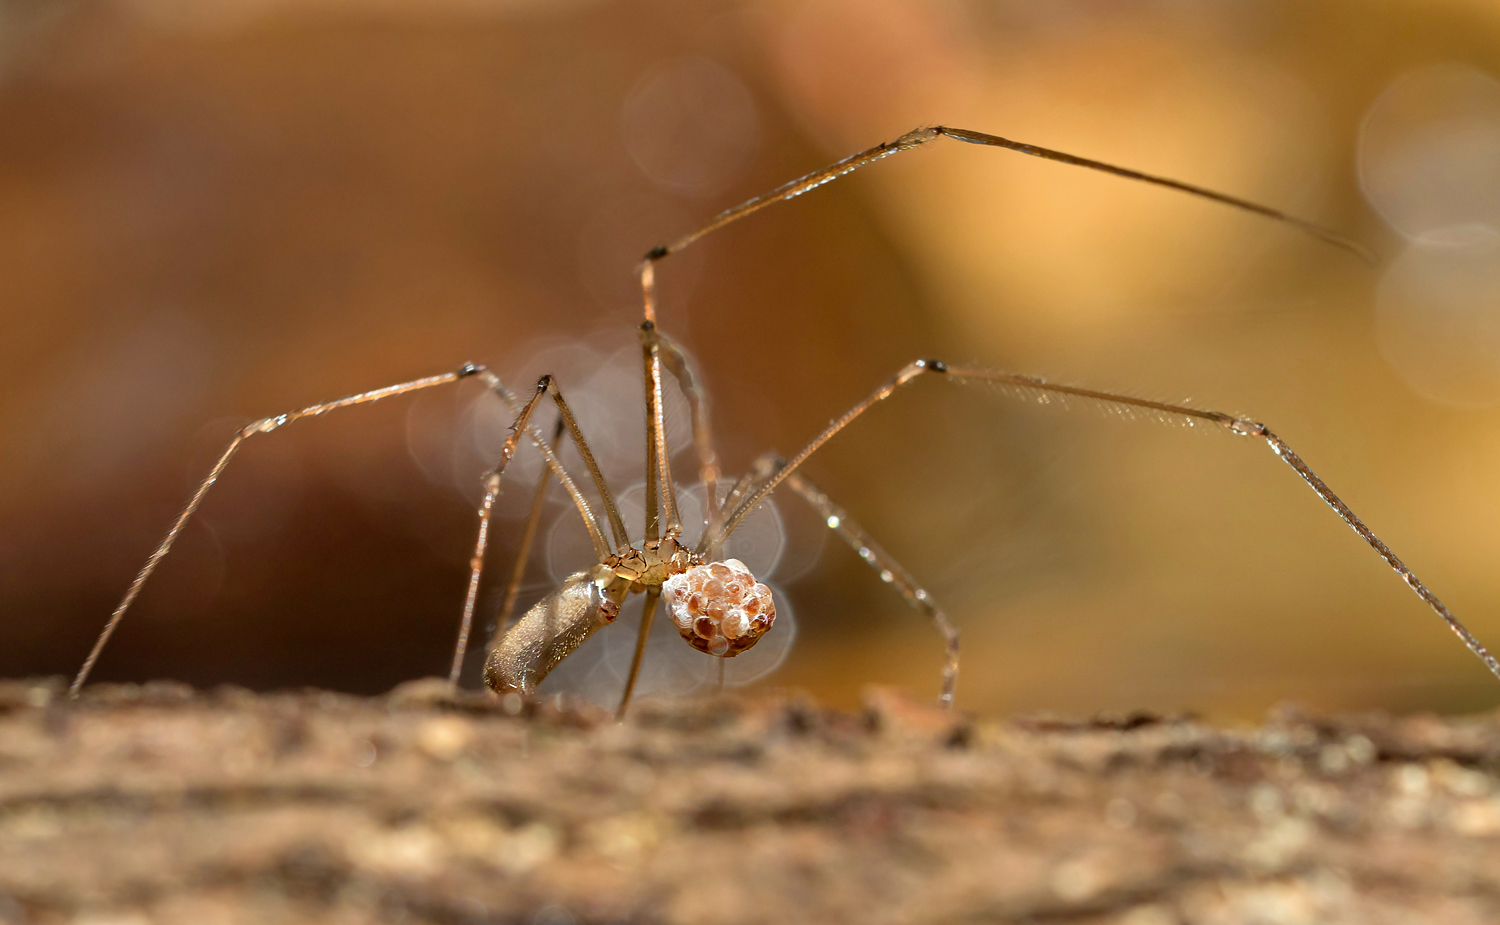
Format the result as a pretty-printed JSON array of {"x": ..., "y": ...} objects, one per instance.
[{"x": 652, "y": 563}]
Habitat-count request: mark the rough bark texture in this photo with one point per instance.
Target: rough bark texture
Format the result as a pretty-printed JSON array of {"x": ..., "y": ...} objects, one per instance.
[{"x": 162, "y": 804}]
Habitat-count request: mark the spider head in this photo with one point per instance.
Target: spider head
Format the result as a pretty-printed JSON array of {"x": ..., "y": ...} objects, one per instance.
[{"x": 719, "y": 608}]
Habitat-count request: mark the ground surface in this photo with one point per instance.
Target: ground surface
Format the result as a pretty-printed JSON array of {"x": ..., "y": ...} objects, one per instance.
[{"x": 161, "y": 804}]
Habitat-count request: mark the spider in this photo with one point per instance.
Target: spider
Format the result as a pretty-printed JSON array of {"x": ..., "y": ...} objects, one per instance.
[{"x": 716, "y": 603}]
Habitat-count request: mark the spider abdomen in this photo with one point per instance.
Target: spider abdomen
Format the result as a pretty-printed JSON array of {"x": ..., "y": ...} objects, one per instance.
[{"x": 549, "y": 632}]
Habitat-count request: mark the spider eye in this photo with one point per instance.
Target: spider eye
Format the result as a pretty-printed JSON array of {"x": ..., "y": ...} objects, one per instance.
[{"x": 719, "y": 608}]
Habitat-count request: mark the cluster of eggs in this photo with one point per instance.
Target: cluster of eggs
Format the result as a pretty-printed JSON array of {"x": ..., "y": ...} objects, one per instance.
[{"x": 719, "y": 608}]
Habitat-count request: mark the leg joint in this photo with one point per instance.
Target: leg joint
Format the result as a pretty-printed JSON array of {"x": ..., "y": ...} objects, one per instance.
[{"x": 264, "y": 425}]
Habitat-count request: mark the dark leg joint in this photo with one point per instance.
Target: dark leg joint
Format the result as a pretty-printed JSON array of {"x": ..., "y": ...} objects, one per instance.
[
  {"x": 656, "y": 253},
  {"x": 469, "y": 369},
  {"x": 936, "y": 366},
  {"x": 544, "y": 384}
]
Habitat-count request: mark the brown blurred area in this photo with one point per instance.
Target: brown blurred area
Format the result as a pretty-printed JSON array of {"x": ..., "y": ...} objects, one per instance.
[{"x": 215, "y": 212}]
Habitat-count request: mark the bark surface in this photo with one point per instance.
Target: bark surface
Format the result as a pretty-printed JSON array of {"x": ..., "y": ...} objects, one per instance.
[{"x": 158, "y": 803}]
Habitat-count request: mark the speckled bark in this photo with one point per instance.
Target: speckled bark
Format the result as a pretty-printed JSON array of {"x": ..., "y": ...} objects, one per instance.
[{"x": 161, "y": 804}]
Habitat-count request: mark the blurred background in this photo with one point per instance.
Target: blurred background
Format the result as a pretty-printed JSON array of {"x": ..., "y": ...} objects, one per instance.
[{"x": 214, "y": 212}]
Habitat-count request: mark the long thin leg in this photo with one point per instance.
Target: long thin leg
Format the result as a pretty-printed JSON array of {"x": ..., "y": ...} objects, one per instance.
[
  {"x": 263, "y": 426},
  {"x": 590, "y": 522},
  {"x": 653, "y": 507},
  {"x": 890, "y": 572},
  {"x": 486, "y": 506},
  {"x": 1279, "y": 447},
  {"x": 658, "y": 435},
  {"x": 1317, "y": 231},
  {"x": 677, "y": 363},
  {"x": 648, "y": 611},
  {"x": 761, "y": 469},
  {"x": 907, "y": 374},
  {"x": 659, "y": 489},
  {"x": 528, "y": 537},
  {"x": 1026, "y": 383},
  {"x": 743, "y": 484},
  {"x": 674, "y": 358},
  {"x": 616, "y": 525},
  {"x": 922, "y": 136},
  {"x": 1244, "y": 427}
]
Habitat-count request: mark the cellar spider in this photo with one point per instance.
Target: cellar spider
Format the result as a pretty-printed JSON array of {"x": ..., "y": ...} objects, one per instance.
[{"x": 717, "y": 605}]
